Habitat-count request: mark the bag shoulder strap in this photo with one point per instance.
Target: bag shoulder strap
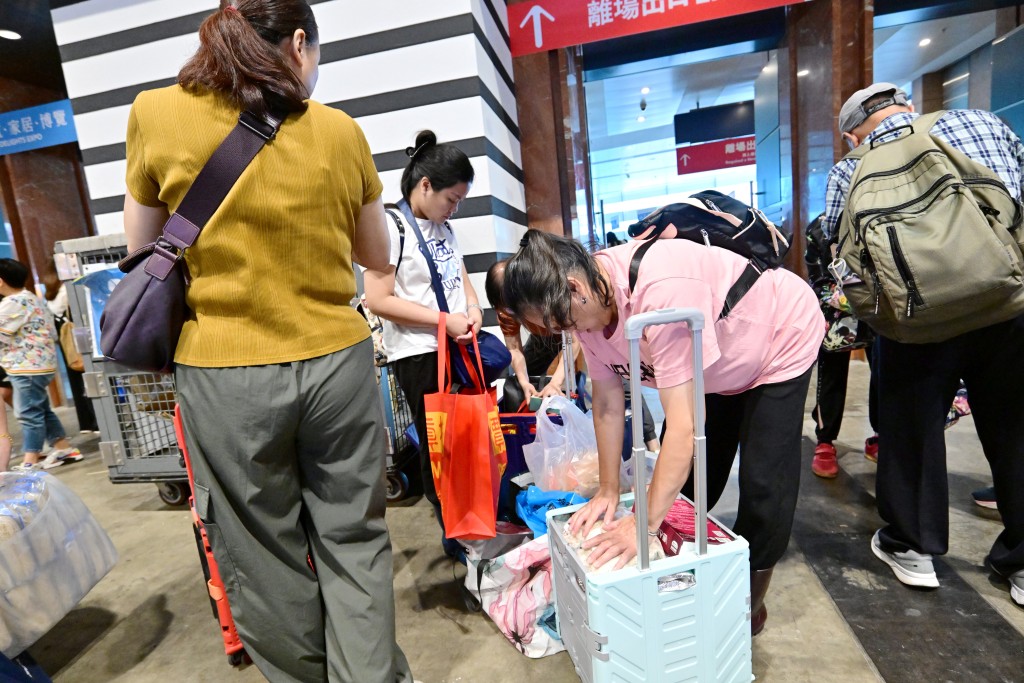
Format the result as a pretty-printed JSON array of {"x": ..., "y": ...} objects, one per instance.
[
  {"x": 435, "y": 279},
  {"x": 742, "y": 285},
  {"x": 209, "y": 189},
  {"x": 925, "y": 122},
  {"x": 401, "y": 231},
  {"x": 921, "y": 125}
]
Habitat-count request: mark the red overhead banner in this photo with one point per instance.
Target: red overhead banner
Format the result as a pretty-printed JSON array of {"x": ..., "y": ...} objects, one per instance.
[
  {"x": 549, "y": 24},
  {"x": 711, "y": 156}
]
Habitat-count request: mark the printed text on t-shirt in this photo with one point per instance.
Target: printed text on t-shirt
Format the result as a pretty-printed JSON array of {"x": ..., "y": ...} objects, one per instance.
[
  {"x": 646, "y": 371},
  {"x": 449, "y": 266}
]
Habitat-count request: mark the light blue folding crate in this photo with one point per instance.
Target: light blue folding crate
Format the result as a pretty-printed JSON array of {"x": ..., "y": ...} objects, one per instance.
[{"x": 683, "y": 618}]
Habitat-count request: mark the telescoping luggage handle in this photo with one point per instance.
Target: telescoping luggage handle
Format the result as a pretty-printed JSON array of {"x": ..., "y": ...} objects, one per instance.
[{"x": 635, "y": 326}]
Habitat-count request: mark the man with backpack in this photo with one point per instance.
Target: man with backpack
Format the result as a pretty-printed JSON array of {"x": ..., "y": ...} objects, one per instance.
[{"x": 926, "y": 214}]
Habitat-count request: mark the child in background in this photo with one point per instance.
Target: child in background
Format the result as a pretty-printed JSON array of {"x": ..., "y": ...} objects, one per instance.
[{"x": 28, "y": 353}]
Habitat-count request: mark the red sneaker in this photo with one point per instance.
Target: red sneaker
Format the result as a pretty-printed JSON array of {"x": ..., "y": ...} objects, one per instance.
[
  {"x": 825, "y": 464},
  {"x": 871, "y": 448}
]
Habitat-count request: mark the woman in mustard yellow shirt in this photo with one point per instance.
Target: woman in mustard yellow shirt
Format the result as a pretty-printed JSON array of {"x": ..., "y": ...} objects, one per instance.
[{"x": 274, "y": 369}]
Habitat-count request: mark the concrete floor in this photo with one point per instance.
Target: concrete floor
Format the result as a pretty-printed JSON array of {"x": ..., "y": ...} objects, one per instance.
[{"x": 149, "y": 620}]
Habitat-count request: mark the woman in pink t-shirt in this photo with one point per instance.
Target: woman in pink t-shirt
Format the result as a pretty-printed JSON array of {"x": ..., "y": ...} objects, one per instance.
[{"x": 757, "y": 367}]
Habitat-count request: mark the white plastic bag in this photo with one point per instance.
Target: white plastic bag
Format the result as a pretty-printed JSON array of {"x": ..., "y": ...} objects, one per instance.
[
  {"x": 564, "y": 456},
  {"x": 52, "y": 552},
  {"x": 560, "y": 450}
]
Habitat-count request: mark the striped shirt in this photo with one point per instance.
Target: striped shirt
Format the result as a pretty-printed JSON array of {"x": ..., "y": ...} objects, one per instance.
[{"x": 978, "y": 134}]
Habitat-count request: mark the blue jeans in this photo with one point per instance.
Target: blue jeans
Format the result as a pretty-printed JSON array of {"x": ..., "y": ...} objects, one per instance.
[{"x": 38, "y": 422}]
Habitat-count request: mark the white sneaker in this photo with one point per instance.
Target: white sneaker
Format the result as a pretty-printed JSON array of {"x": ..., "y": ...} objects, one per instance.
[
  {"x": 910, "y": 567},
  {"x": 68, "y": 454},
  {"x": 52, "y": 460},
  {"x": 1017, "y": 587},
  {"x": 24, "y": 467}
]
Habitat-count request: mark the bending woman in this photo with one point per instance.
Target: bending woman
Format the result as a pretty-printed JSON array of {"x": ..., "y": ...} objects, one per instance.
[
  {"x": 534, "y": 359},
  {"x": 757, "y": 368},
  {"x": 274, "y": 368},
  {"x": 434, "y": 183}
]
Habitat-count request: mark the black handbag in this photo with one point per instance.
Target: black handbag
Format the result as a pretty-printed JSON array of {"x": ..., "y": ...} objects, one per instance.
[{"x": 143, "y": 317}]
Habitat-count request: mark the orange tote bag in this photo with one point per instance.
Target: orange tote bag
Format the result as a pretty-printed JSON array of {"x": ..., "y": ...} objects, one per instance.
[{"x": 467, "y": 449}]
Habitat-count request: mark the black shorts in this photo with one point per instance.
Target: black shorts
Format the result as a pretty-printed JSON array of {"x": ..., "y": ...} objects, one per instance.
[{"x": 4, "y": 382}]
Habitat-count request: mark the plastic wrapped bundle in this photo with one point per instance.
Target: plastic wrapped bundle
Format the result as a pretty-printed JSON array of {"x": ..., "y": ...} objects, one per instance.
[{"x": 52, "y": 552}]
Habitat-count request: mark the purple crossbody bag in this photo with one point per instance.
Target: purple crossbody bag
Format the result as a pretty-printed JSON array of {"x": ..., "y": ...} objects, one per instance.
[{"x": 143, "y": 317}]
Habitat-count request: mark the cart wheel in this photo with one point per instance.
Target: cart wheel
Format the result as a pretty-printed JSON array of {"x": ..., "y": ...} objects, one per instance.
[
  {"x": 173, "y": 492},
  {"x": 398, "y": 486},
  {"x": 236, "y": 658}
]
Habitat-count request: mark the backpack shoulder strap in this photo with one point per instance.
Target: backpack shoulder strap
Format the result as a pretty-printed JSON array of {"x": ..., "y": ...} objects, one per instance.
[
  {"x": 634, "y": 263},
  {"x": 742, "y": 285},
  {"x": 925, "y": 122},
  {"x": 401, "y": 232}
]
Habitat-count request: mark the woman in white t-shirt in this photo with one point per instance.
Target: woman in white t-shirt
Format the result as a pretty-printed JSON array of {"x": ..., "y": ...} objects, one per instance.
[
  {"x": 757, "y": 366},
  {"x": 434, "y": 183}
]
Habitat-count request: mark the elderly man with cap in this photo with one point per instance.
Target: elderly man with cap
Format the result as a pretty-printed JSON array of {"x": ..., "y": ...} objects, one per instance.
[{"x": 918, "y": 381}]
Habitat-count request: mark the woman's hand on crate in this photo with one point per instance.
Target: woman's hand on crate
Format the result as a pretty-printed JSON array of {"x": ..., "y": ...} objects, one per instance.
[
  {"x": 601, "y": 506},
  {"x": 618, "y": 542}
]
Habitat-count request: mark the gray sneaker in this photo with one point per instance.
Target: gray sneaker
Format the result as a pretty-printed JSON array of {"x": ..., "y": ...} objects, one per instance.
[
  {"x": 911, "y": 568},
  {"x": 1017, "y": 587}
]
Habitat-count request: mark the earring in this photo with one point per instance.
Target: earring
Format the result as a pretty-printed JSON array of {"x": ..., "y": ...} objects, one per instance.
[{"x": 583, "y": 300}]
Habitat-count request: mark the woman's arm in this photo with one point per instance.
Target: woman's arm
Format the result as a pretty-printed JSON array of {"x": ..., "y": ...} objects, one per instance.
[
  {"x": 371, "y": 245},
  {"x": 380, "y": 297},
  {"x": 473, "y": 310},
  {"x": 676, "y": 457},
  {"x": 670, "y": 473},
  {"x": 142, "y": 224},
  {"x": 6, "y": 441},
  {"x": 609, "y": 410}
]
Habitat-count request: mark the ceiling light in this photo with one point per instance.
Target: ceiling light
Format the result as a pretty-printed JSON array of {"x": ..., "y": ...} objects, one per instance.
[
  {"x": 641, "y": 118},
  {"x": 925, "y": 42},
  {"x": 9, "y": 35},
  {"x": 958, "y": 78},
  {"x": 644, "y": 90},
  {"x": 803, "y": 72}
]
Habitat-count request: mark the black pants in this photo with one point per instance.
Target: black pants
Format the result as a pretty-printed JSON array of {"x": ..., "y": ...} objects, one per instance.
[
  {"x": 766, "y": 423},
  {"x": 417, "y": 375},
  {"x": 917, "y": 385},
  {"x": 833, "y": 372},
  {"x": 83, "y": 404}
]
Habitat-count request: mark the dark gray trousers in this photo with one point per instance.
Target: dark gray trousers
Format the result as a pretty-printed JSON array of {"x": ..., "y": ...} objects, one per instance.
[{"x": 288, "y": 463}]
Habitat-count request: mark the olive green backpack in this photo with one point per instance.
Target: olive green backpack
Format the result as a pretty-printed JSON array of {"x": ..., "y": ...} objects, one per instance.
[{"x": 933, "y": 236}]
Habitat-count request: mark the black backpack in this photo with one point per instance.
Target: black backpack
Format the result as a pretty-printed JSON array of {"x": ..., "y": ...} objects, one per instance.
[{"x": 716, "y": 220}]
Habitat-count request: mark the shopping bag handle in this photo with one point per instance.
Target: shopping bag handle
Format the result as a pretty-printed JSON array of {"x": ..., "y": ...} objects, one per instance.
[{"x": 444, "y": 379}]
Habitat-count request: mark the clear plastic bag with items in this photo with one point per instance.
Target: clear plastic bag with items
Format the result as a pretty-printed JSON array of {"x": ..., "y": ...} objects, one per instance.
[
  {"x": 52, "y": 552},
  {"x": 564, "y": 455}
]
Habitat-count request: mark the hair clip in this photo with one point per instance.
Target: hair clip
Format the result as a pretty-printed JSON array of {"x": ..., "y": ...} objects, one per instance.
[
  {"x": 230, "y": 8},
  {"x": 523, "y": 242},
  {"x": 411, "y": 153}
]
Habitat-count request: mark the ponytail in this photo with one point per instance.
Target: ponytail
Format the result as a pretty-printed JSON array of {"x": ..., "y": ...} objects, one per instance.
[
  {"x": 443, "y": 165},
  {"x": 239, "y": 55},
  {"x": 536, "y": 278}
]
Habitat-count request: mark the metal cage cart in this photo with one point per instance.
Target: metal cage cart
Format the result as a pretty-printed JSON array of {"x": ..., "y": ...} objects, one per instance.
[
  {"x": 401, "y": 440},
  {"x": 135, "y": 410}
]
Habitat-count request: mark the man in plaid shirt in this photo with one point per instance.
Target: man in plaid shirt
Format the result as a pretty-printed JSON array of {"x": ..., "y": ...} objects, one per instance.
[{"x": 917, "y": 382}]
